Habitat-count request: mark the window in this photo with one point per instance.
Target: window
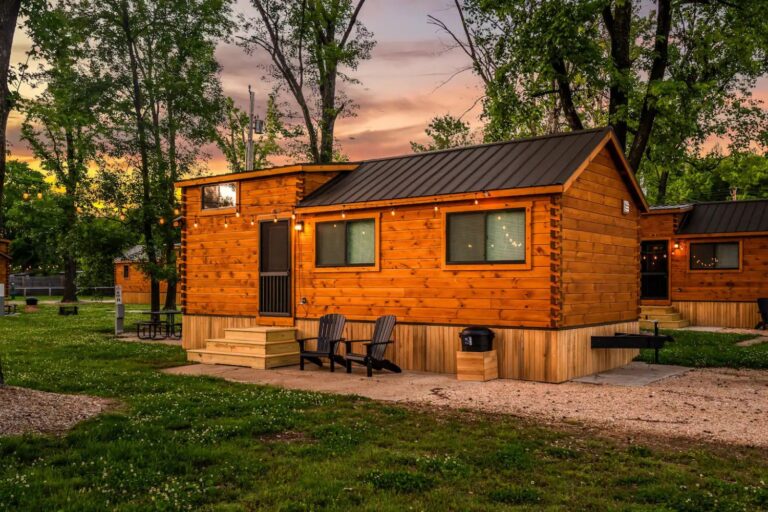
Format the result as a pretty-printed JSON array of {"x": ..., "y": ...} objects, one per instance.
[
  {"x": 220, "y": 195},
  {"x": 715, "y": 256},
  {"x": 345, "y": 243},
  {"x": 486, "y": 237},
  {"x": 126, "y": 271}
]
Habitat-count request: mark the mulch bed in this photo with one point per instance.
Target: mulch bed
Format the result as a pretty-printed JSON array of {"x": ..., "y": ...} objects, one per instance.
[{"x": 30, "y": 411}]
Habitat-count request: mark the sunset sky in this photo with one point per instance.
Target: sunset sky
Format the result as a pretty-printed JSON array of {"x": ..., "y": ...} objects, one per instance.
[
  {"x": 400, "y": 90},
  {"x": 401, "y": 84}
]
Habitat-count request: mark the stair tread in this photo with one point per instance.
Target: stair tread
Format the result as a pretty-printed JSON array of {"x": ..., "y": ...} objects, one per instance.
[
  {"x": 238, "y": 354},
  {"x": 249, "y": 342},
  {"x": 264, "y": 328}
]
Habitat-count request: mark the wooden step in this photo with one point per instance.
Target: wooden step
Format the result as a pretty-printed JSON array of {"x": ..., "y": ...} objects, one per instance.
[
  {"x": 666, "y": 317},
  {"x": 261, "y": 333},
  {"x": 657, "y": 310},
  {"x": 670, "y": 324},
  {"x": 245, "y": 347},
  {"x": 250, "y": 360}
]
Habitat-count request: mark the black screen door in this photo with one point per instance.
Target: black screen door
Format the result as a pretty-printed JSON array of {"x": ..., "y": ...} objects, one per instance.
[
  {"x": 654, "y": 270},
  {"x": 275, "y": 268}
]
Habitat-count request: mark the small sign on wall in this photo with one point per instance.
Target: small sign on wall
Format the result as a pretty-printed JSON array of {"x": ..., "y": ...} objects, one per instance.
[{"x": 625, "y": 207}]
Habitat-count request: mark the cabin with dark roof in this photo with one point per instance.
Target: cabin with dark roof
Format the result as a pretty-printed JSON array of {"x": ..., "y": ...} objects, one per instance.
[
  {"x": 705, "y": 263},
  {"x": 134, "y": 283},
  {"x": 535, "y": 238}
]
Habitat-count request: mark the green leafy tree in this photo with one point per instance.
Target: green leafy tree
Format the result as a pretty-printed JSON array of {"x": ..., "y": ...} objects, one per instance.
[
  {"x": 166, "y": 104},
  {"x": 666, "y": 79},
  {"x": 313, "y": 45},
  {"x": 62, "y": 125},
  {"x": 446, "y": 132},
  {"x": 34, "y": 219}
]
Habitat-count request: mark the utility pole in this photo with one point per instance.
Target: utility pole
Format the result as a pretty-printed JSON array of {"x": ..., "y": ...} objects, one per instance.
[{"x": 249, "y": 148}]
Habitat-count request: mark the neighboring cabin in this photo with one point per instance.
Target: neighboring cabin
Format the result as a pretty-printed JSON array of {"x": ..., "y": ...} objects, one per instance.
[
  {"x": 709, "y": 261},
  {"x": 536, "y": 238},
  {"x": 5, "y": 264},
  {"x": 134, "y": 282}
]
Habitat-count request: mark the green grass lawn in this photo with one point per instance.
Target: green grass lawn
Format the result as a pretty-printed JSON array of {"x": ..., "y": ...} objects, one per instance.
[
  {"x": 708, "y": 349},
  {"x": 180, "y": 443}
]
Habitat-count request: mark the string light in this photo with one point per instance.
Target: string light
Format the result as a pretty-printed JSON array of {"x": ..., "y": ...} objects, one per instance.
[
  {"x": 25, "y": 196},
  {"x": 161, "y": 220},
  {"x": 343, "y": 214},
  {"x": 252, "y": 221},
  {"x": 195, "y": 223},
  {"x": 392, "y": 212},
  {"x": 39, "y": 195},
  {"x": 476, "y": 201},
  {"x": 293, "y": 215},
  {"x": 226, "y": 222},
  {"x": 237, "y": 214},
  {"x": 437, "y": 208},
  {"x": 176, "y": 211},
  {"x": 79, "y": 209},
  {"x": 122, "y": 216}
]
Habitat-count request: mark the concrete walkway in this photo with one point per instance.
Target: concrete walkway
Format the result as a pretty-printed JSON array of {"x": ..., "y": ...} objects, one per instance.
[
  {"x": 720, "y": 405},
  {"x": 634, "y": 374}
]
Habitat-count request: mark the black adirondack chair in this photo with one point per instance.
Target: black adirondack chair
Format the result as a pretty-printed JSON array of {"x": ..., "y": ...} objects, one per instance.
[
  {"x": 328, "y": 339},
  {"x": 374, "y": 348},
  {"x": 762, "y": 305}
]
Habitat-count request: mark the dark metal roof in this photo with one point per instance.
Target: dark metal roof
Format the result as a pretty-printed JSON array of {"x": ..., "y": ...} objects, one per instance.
[
  {"x": 726, "y": 217},
  {"x": 523, "y": 163}
]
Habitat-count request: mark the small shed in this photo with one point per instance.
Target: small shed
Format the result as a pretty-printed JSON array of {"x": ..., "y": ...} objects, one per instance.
[
  {"x": 131, "y": 277},
  {"x": 535, "y": 238},
  {"x": 708, "y": 261}
]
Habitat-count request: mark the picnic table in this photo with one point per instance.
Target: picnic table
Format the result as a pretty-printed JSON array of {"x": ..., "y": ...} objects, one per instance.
[{"x": 157, "y": 327}]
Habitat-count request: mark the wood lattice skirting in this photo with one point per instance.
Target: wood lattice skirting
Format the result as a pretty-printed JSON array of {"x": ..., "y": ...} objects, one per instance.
[{"x": 743, "y": 315}]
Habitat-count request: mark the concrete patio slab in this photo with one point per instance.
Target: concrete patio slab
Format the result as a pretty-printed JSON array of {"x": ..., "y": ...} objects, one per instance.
[
  {"x": 634, "y": 374},
  {"x": 716, "y": 404}
]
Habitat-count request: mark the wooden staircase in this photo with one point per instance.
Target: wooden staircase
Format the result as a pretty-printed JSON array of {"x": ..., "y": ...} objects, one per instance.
[
  {"x": 667, "y": 316},
  {"x": 258, "y": 347}
]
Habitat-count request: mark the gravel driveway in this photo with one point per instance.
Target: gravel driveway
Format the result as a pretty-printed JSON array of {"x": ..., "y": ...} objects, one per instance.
[{"x": 719, "y": 405}]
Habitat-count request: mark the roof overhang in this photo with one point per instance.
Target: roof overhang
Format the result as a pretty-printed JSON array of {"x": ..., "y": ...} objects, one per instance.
[
  {"x": 5, "y": 255},
  {"x": 264, "y": 173},
  {"x": 444, "y": 198}
]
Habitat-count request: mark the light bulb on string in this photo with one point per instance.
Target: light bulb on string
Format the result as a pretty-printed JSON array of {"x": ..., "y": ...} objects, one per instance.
[
  {"x": 39, "y": 195},
  {"x": 25, "y": 196},
  {"x": 195, "y": 223},
  {"x": 392, "y": 212},
  {"x": 161, "y": 220}
]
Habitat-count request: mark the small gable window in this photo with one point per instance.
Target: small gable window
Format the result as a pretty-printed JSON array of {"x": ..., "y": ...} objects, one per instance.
[
  {"x": 486, "y": 237},
  {"x": 219, "y": 195},
  {"x": 345, "y": 243},
  {"x": 715, "y": 256},
  {"x": 126, "y": 271}
]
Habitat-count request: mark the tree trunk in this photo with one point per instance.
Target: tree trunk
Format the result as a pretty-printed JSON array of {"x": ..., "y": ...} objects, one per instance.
[
  {"x": 566, "y": 96},
  {"x": 661, "y": 191},
  {"x": 170, "y": 239},
  {"x": 328, "y": 116},
  {"x": 9, "y": 12},
  {"x": 147, "y": 220},
  {"x": 619, "y": 26},
  {"x": 658, "y": 68},
  {"x": 70, "y": 261}
]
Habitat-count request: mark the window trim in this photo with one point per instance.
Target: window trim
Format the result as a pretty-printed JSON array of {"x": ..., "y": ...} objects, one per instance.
[
  {"x": 355, "y": 267},
  {"x": 715, "y": 241},
  {"x": 223, "y": 210},
  {"x": 526, "y": 206}
]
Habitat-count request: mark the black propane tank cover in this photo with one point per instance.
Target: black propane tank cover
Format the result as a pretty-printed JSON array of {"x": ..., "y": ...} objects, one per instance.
[{"x": 476, "y": 339}]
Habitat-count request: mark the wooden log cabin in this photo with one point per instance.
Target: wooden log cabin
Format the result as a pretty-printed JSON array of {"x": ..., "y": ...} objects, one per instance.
[
  {"x": 132, "y": 279},
  {"x": 535, "y": 238},
  {"x": 5, "y": 264},
  {"x": 705, "y": 263}
]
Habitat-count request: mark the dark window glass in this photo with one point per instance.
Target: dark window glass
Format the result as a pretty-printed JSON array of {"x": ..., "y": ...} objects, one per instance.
[
  {"x": 126, "y": 271},
  {"x": 220, "y": 195},
  {"x": 345, "y": 243},
  {"x": 715, "y": 256},
  {"x": 486, "y": 237}
]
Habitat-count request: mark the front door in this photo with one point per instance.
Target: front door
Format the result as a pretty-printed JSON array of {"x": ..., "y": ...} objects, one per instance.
[
  {"x": 275, "y": 268},
  {"x": 654, "y": 270}
]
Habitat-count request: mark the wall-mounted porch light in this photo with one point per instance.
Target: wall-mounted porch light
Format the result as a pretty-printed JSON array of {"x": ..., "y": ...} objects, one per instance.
[{"x": 299, "y": 226}]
